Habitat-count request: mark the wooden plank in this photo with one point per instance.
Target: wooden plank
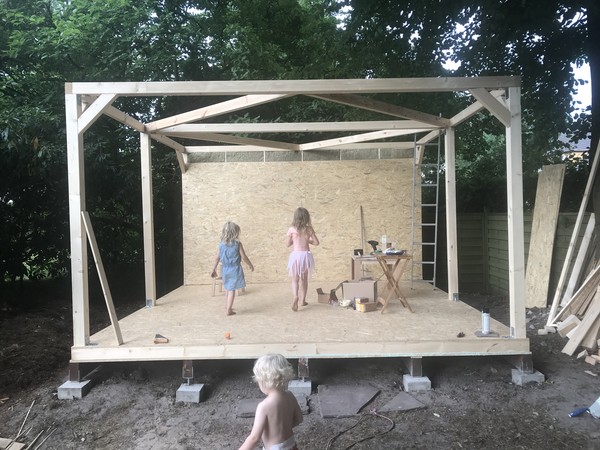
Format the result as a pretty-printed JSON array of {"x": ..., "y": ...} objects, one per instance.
[
  {"x": 214, "y": 137},
  {"x": 102, "y": 276},
  {"x": 574, "y": 236},
  {"x": 579, "y": 261},
  {"x": 586, "y": 324},
  {"x": 192, "y": 129},
  {"x": 497, "y": 109},
  {"x": 567, "y": 325},
  {"x": 291, "y": 87},
  {"x": 516, "y": 245},
  {"x": 451, "y": 233},
  {"x": 385, "y": 108},
  {"x": 131, "y": 122},
  {"x": 148, "y": 219},
  {"x": 591, "y": 337},
  {"x": 95, "y": 110},
  {"x": 588, "y": 288},
  {"x": 545, "y": 216},
  {"x": 374, "y": 135},
  {"x": 79, "y": 255},
  {"x": 251, "y": 148},
  {"x": 459, "y": 118},
  {"x": 218, "y": 109}
]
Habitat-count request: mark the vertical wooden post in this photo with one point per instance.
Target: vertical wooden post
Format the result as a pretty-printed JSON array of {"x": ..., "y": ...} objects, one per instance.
[
  {"x": 451, "y": 233},
  {"x": 79, "y": 257},
  {"x": 148, "y": 218},
  {"x": 516, "y": 244}
]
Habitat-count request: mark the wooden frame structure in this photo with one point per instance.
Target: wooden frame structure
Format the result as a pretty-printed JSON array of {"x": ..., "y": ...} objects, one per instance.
[{"x": 86, "y": 102}]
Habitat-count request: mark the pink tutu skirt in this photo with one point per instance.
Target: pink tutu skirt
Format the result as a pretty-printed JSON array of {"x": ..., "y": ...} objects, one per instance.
[{"x": 301, "y": 262}]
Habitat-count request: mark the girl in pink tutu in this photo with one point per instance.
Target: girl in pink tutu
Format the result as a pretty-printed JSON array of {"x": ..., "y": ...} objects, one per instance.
[{"x": 301, "y": 263}]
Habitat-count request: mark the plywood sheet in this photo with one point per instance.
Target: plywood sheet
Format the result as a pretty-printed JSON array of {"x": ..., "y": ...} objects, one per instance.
[
  {"x": 261, "y": 198},
  {"x": 197, "y": 328},
  {"x": 545, "y": 216}
]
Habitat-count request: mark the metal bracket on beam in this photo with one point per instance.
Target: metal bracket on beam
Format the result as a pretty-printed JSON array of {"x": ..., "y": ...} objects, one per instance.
[
  {"x": 187, "y": 372},
  {"x": 415, "y": 366},
  {"x": 523, "y": 363},
  {"x": 303, "y": 368}
]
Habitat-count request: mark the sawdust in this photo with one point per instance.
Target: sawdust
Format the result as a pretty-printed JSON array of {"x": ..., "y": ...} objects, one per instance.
[{"x": 473, "y": 403}]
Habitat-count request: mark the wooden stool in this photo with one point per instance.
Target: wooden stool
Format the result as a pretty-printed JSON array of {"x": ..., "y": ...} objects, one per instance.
[{"x": 219, "y": 279}]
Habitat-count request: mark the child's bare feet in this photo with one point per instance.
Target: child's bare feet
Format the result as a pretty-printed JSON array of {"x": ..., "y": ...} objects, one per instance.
[
  {"x": 295, "y": 304},
  {"x": 231, "y": 312},
  {"x": 304, "y": 303}
]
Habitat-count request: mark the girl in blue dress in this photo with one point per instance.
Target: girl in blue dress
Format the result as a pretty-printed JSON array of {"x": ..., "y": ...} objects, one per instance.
[{"x": 231, "y": 254}]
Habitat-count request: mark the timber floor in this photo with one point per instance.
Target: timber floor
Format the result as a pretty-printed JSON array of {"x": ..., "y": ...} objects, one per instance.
[{"x": 196, "y": 325}]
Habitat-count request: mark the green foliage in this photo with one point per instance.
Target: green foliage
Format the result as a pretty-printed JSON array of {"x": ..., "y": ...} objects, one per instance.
[{"x": 45, "y": 43}]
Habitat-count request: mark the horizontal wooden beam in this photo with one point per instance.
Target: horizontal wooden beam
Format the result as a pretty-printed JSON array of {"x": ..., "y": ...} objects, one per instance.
[
  {"x": 313, "y": 350},
  {"x": 300, "y": 127},
  {"x": 291, "y": 87},
  {"x": 251, "y": 148}
]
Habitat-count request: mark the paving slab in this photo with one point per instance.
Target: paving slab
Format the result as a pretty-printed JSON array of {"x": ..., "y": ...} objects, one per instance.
[
  {"x": 402, "y": 402},
  {"x": 344, "y": 401}
]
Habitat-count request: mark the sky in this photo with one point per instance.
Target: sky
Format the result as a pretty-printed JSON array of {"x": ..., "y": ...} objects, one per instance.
[{"x": 584, "y": 94}]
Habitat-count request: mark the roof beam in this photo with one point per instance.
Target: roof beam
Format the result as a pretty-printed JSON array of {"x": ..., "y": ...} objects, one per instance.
[
  {"x": 385, "y": 108},
  {"x": 300, "y": 127},
  {"x": 228, "y": 139},
  {"x": 291, "y": 87},
  {"x": 404, "y": 145},
  {"x": 93, "y": 111},
  {"x": 129, "y": 121},
  {"x": 498, "y": 110},
  {"x": 356, "y": 138},
  {"x": 225, "y": 107},
  {"x": 465, "y": 114}
]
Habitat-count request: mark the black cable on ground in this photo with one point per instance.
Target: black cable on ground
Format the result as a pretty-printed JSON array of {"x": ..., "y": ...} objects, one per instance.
[{"x": 373, "y": 412}]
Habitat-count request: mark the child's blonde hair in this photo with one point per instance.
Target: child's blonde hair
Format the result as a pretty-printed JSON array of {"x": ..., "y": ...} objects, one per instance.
[
  {"x": 273, "y": 371},
  {"x": 301, "y": 219},
  {"x": 230, "y": 233}
]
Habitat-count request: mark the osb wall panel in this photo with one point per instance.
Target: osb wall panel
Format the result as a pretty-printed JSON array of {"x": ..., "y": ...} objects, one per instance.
[{"x": 261, "y": 198}]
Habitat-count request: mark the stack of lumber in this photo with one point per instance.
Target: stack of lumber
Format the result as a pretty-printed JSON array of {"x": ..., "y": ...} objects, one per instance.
[{"x": 579, "y": 319}]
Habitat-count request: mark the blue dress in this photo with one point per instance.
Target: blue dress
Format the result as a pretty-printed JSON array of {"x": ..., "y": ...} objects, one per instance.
[{"x": 231, "y": 271}]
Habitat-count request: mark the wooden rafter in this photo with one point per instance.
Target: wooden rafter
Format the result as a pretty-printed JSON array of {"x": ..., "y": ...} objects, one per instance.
[
  {"x": 498, "y": 110},
  {"x": 228, "y": 139},
  {"x": 225, "y": 107},
  {"x": 93, "y": 111},
  {"x": 126, "y": 119},
  {"x": 356, "y": 138},
  {"x": 384, "y": 108}
]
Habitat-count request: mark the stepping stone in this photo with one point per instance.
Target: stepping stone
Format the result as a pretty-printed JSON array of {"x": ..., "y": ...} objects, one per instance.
[
  {"x": 402, "y": 402},
  {"x": 344, "y": 401}
]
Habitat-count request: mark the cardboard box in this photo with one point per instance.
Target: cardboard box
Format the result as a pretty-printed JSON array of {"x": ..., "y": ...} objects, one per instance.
[
  {"x": 360, "y": 289},
  {"x": 323, "y": 297},
  {"x": 366, "y": 307}
]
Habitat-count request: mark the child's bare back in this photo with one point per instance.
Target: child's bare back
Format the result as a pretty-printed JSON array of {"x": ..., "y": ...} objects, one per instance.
[
  {"x": 278, "y": 414},
  {"x": 282, "y": 413}
]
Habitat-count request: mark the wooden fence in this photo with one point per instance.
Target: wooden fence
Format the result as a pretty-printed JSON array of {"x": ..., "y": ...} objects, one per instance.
[{"x": 483, "y": 251}]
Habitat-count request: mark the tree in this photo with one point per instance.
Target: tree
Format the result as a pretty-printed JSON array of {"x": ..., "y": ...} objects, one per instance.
[{"x": 537, "y": 40}]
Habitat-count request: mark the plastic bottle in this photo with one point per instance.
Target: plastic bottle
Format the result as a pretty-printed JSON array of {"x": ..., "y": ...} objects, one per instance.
[{"x": 485, "y": 321}]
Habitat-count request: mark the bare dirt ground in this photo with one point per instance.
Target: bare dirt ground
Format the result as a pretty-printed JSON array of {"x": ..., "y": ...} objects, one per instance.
[{"x": 473, "y": 403}]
